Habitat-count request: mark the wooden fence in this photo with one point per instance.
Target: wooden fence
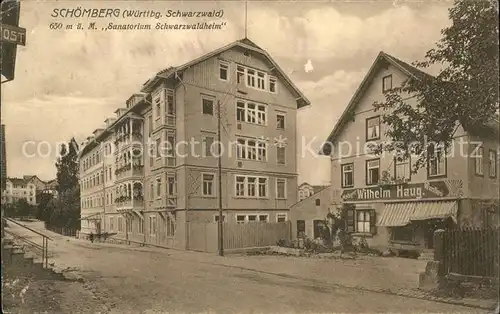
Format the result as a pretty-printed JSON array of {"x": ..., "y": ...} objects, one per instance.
[
  {"x": 471, "y": 252},
  {"x": 204, "y": 236},
  {"x": 69, "y": 232}
]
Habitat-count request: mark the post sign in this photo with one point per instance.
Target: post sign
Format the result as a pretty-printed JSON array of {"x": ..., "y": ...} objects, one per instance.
[
  {"x": 434, "y": 189},
  {"x": 13, "y": 34}
]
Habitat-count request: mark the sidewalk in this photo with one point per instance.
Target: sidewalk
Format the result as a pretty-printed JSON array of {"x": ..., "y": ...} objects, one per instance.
[{"x": 397, "y": 276}]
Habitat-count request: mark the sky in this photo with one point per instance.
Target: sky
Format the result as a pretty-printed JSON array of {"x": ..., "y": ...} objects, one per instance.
[{"x": 69, "y": 81}]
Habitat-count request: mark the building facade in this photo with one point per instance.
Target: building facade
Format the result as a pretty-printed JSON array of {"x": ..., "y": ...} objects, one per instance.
[
  {"x": 386, "y": 203},
  {"x": 164, "y": 163},
  {"x": 17, "y": 189}
]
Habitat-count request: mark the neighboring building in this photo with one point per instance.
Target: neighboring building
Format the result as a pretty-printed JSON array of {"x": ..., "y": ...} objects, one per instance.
[
  {"x": 3, "y": 158},
  {"x": 310, "y": 213},
  {"x": 154, "y": 199},
  {"x": 306, "y": 190},
  {"x": 51, "y": 188},
  {"x": 402, "y": 212},
  {"x": 39, "y": 184},
  {"x": 17, "y": 189}
]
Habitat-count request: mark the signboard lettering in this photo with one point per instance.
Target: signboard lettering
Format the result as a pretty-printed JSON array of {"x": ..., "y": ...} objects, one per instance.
[
  {"x": 449, "y": 188},
  {"x": 13, "y": 34}
]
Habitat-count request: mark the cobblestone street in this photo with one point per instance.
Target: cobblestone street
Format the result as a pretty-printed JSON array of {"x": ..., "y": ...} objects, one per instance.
[{"x": 128, "y": 279}]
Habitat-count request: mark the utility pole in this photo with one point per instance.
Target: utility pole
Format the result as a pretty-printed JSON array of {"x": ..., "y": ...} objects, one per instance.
[{"x": 219, "y": 181}]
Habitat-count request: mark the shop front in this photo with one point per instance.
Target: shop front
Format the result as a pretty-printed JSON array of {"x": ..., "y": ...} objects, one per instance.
[{"x": 406, "y": 214}]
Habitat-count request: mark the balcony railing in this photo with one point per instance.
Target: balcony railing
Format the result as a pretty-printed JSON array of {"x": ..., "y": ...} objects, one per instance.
[
  {"x": 129, "y": 171},
  {"x": 124, "y": 139},
  {"x": 136, "y": 202}
]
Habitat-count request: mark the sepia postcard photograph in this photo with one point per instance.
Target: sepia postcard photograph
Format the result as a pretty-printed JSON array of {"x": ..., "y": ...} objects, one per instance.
[{"x": 250, "y": 156}]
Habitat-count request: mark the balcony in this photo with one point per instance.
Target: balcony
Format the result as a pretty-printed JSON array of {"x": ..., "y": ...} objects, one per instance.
[
  {"x": 126, "y": 202},
  {"x": 123, "y": 140},
  {"x": 129, "y": 171}
]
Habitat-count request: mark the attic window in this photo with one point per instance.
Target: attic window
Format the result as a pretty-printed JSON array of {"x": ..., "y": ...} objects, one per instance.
[
  {"x": 386, "y": 83},
  {"x": 272, "y": 84}
]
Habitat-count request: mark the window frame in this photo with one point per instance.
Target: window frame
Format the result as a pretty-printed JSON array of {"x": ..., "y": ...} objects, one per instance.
[
  {"x": 281, "y": 214},
  {"x": 227, "y": 65},
  {"x": 396, "y": 163},
  {"x": 213, "y": 181},
  {"x": 445, "y": 162},
  {"x": 495, "y": 163},
  {"x": 158, "y": 183},
  {"x": 278, "y": 154},
  {"x": 244, "y": 150},
  {"x": 284, "y": 181},
  {"x": 278, "y": 121},
  {"x": 246, "y": 186},
  {"x": 384, "y": 89},
  {"x": 367, "y": 172},
  {"x": 479, "y": 160},
  {"x": 207, "y": 98},
  {"x": 249, "y": 113},
  {"x": 216, "y": 218},
  {"x": 207, "y": 151},
  {"x": 366, "y": 128},
  {"x": 342, "y": 175},
  {"x": 246, "y": 216},
  {"x": 272, "y": 80}
]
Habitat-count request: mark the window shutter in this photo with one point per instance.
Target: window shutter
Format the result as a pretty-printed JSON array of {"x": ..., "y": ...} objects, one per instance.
[
  {"x": 373, "y": 222},
  {"x": 350, "y": 222}
]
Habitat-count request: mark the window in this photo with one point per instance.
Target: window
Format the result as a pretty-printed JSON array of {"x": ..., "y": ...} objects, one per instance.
[
  {"x": 150, "y": 125},
  {"x": 477, "y": 154},
  {"x": 251, "y": 186},
  {"x": 223, "y": 70},
  {"x": 493, "y": 163},
  {"x": 152, "y": 225},
  {"x": 158, "y": 187},
  {"x": 318, "y": 202},
  {"x": 250, "y": 78},
  {"x": 272, "y": 84},
  {"x": 301, "y": 228},
  {"x": 170, "y": 226},
  {"x": 280, "y": 152},
  {"x": 158, "y": 148},
  {"x": 207, "y": 106},
  {"x": 111, "y": 223},
  {"x": 404, "y": 233},
  {"x": 170, "y": 144},
  {"x": 280, "y": 121},
  {"x": 386, "y": 83},
  {"x": 402, "y": 169},
  {"x": 251, "y": 112},
  {"x": 281, "y": 217},
  {"x": 120, "y": 224},
  {"x": 170, "y": 105},
  {"x": 208, "y": 184},
  {"x": 280, "y": 188},
  {"x": 243, "y": 218},
  {"x": 363, "y": 221},
  {"x": 437, "y": 161},
  {"x": 171, "y": 185},
  {"x": 207, "y": 142},
  {"x": 140, "y": 223},
  {"x": 216, "y": 218},
  {"x": 261, "y": 79},
  {"x": 251, "y": 149},
  {"x": 240, "y": 219},
  {"x": 157, "y": 106},
  {"x": 240, "y": 74},
  {"x": 347, "y": 175},
  {"x": 373, "y": 128},
  {"x": 372, "y": 171},
  {"x": 128, "y": 223}
]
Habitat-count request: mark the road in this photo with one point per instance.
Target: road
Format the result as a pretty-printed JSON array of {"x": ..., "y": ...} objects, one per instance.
[{"x": 144, "y": 280}]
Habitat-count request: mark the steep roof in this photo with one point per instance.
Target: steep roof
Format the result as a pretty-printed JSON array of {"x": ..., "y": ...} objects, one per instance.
[
  {"x": 381, "y": 60},
  {"x": 243, "y": 43},
  {"x": 17, "y": 181}
]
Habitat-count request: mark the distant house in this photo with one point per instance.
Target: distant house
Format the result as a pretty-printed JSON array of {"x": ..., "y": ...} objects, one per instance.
[
  {"x": 17, "y": 189},
  {"x": 39, "y": 184},
  {"x": 51, "y": 188},
  {"x": 306, "y": 190}
]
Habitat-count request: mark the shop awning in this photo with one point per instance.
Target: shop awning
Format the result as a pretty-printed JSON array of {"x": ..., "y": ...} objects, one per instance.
[
  {"x": 435, "y": 210},
  {"x": 396, "y": 214},
  {"x": 401, "y": 214}
]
